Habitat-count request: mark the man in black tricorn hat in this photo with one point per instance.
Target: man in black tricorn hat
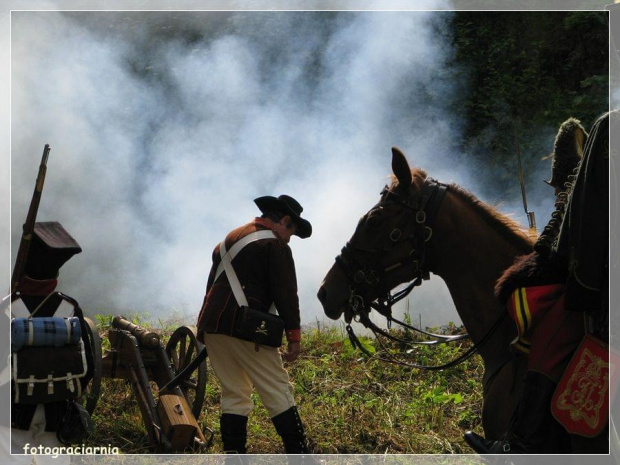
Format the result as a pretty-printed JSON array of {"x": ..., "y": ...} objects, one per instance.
[
  {"x": 264, "y": 271},
  {"x": 38, "y": 424}
]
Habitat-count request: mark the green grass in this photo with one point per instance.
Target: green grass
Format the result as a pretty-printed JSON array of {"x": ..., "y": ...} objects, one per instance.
[{"x": 349, "y": 404}]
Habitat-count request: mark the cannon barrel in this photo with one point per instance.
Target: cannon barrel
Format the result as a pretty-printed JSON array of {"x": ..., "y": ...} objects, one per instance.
[{"x": 144, "y": 336}]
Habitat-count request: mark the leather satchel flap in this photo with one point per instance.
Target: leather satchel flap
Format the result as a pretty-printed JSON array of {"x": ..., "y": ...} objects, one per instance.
[{"x": 48, "y": 374}]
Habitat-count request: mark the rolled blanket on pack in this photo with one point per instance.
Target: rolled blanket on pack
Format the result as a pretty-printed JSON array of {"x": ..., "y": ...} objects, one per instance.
[{"x": 44, "y": 331}]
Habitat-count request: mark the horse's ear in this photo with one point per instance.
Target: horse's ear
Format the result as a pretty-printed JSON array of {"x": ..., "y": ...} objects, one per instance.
[{"x": 400, "y": 167}]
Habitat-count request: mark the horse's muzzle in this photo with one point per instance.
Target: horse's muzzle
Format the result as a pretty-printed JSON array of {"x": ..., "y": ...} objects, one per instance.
[
  {"x": 333, "y": 293},
  {"x": 331, "y": 311}
]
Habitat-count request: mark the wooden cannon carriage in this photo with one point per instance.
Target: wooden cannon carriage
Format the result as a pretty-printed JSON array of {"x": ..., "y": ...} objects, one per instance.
[{"x": 179, "y": 372}]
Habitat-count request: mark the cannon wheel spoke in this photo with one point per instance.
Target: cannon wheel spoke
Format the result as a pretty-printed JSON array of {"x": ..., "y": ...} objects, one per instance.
[{"x": 181, "y": 349}]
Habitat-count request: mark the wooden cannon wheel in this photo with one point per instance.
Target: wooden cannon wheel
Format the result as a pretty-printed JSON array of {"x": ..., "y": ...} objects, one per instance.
[
  {"x": 91, "y": 395},
  {"x": 182, "y": 348}
]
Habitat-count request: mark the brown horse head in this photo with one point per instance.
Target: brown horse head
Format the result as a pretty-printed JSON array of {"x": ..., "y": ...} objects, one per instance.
[{"x": 380, "y": 254}]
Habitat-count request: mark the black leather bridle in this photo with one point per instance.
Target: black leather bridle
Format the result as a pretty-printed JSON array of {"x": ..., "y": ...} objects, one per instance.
[{"x": 415, "y": 229}]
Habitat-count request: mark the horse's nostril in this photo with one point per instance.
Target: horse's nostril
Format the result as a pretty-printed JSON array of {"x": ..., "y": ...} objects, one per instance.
[{"x": 322, "y": 295}]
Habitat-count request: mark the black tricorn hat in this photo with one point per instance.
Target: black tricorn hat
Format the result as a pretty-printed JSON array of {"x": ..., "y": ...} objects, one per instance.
[
  {"x": 50, "y": 248},
  {"x": 567, "y": 151},
  {"x": 289, "y": 206}
]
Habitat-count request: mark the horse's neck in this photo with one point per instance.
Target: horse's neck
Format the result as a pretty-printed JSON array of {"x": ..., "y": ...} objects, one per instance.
[{"x": 470, "y": 255}]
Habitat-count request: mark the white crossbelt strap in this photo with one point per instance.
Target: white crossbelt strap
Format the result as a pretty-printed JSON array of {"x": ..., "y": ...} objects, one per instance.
[
  {"x": 227, "y": 257},
  {"x": 240, "y": 244},
  {"x": 19, "y": 309}
]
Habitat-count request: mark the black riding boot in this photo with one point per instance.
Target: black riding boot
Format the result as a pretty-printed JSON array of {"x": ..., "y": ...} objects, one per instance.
[
  {"x": 234, "y": 433},
  {"x": 529, "y": 425},
  {"x": 291, "y": 430}
]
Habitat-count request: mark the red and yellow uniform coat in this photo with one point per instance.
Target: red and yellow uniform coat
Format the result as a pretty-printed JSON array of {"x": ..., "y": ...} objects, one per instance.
[
  {"x": 527, "y": 306},
  {"x": 547, "y": 332}
]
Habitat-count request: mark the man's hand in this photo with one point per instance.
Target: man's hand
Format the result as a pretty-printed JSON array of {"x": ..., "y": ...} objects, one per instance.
[{"x": 292, "y": 353}]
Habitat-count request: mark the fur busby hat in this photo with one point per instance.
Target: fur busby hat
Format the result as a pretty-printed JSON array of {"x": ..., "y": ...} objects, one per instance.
[
  {"x": 50, "y": 248},
  {"x": 289, "y": 206},
  {"x": 567, "y": 151}
]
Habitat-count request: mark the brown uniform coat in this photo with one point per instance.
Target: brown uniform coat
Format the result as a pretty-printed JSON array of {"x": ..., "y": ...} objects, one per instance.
[{"x": 266, "y": 271}]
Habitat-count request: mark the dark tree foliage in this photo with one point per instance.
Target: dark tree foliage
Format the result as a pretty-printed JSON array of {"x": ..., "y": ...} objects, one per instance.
[{"x": 526, "y": 73}]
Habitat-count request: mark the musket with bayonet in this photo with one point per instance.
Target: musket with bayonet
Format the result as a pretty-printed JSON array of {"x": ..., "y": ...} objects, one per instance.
[
  {"x": 531, "y": 218},
  {"x": 28, "y": 229}
]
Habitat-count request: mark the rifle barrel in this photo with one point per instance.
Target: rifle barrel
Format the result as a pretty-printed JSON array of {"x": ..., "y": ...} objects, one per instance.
[{"x": 31, "y": 217}]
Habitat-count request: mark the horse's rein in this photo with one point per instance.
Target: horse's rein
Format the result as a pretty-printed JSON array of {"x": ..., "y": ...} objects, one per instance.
[{"x": 355, "y": 342}]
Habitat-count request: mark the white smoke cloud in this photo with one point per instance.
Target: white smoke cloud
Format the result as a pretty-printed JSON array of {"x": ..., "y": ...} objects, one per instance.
[{"x": 165, "y": 126}]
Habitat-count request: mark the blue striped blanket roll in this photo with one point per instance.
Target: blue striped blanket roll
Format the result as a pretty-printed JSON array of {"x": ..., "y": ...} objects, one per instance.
[{"x": 44, "y": 331}]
